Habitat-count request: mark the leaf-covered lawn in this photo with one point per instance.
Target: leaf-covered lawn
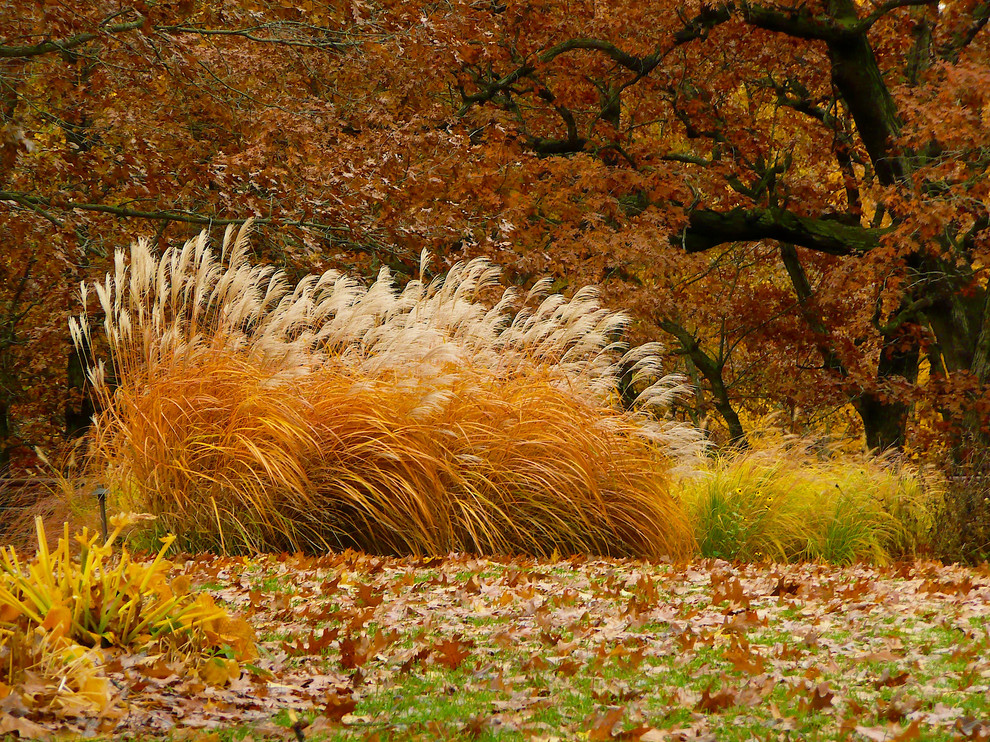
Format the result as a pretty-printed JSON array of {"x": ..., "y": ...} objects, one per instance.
[{"x": 359, "y": 647}]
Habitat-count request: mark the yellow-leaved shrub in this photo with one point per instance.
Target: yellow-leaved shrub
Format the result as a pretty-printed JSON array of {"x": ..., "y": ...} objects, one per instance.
[{"x": 61, "y": 609}]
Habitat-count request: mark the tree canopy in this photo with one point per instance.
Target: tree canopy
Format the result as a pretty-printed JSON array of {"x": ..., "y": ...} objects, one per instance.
[{"x": 792, "y": 197}]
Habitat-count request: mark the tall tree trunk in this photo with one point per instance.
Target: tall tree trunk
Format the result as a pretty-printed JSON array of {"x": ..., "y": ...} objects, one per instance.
[
  {"x": 885, "y": 419},
  {"x": 857, "y": 77},
  {"x": 712, "y": 369},
  {"x": 4, "y": 436},
  {"x": 79, "y": 407}
]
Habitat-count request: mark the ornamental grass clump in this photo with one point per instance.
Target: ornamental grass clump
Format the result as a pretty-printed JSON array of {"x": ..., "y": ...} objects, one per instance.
[
  {"x": 251, "y": 414},
  {"x": 788, "y": 500}
]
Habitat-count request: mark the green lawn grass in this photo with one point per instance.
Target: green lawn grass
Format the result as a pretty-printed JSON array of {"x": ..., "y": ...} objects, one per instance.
[{"x": 591, "y": 649}]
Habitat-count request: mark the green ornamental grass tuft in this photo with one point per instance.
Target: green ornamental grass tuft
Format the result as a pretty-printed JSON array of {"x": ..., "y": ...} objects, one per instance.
[{"x": 791, "y": 501}]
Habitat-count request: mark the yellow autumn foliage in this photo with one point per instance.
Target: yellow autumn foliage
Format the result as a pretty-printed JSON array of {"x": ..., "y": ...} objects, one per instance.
[{"x": 61, "y": 608}]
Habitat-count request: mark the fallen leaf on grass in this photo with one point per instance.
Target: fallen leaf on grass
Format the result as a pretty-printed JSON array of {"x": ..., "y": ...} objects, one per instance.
[
  {"x": 190, "y": 734},
  {"x": 339, "y": 705},
  {"x": 616, "y": 691},
  {"x": 713, "y": 703},
  {"x": 475, "y": 727},
  {"x": 886, "y": 680},
  {"x": 743, "y": 658},
  {"x": 891, "y": 733},
  {"x": 355, "y": 653},
  {"x": 536, "y": 663},
  {"x": 653, "y": 735},
  {"x": 755, "y": 691},
  {"x": 567, "y": 668},
  {"x": 24, "y": 728},
  {"x": 315, "y": 645},
  {"x": 730, "y": 591},
  {"x": 218, "y": 671},
  {"x": 368, "y": 596},
  {"x": 602, "y": 724},
  {"x": 898, "y": 707},
  {"x": 452, "y": 652},
  {"x": 522, "y": 700},
  {"x": 884, "y": 655},
  {"x": 972, "y": 729},
  {"x": 821, "y": 697},
  {"x": 742, "y": 621}
]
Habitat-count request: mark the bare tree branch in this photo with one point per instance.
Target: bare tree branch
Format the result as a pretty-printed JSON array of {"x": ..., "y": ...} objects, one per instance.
[
  {"x": 63, "y": 45},
  {"x": 39, "y": 204},
  {"x": 251, "y": 35}
]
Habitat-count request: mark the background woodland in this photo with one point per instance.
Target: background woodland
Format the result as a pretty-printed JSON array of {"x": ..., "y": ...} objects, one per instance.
[{"x": 792, "y": 197}]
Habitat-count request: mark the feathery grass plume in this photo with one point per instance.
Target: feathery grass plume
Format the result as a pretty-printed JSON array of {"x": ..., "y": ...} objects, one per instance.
[
  {"x": 253, "y": 414},
  {"x": 791, "y": 499}
]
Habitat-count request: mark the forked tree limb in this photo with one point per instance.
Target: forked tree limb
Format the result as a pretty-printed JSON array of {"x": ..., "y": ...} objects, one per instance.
[{"x": 707, "y": 229}]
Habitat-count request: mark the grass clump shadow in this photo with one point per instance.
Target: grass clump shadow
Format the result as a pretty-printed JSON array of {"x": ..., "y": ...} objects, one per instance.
[{"x": 253, "y": 415}]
